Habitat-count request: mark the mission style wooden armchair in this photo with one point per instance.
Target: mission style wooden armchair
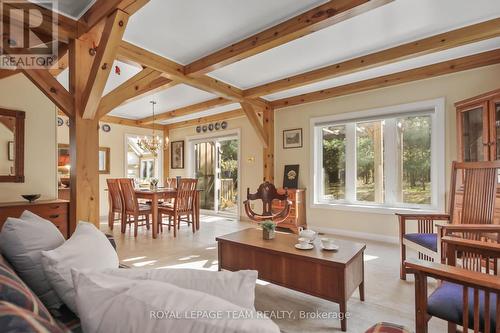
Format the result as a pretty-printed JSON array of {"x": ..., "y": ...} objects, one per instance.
[
  {"x": 115, "y": 203},
  {"x": 474, "y": 187},
  {"x": 469, "y": 291},
  {"x": 267, "y": 193},
  {"x": 132, "y": 209}
]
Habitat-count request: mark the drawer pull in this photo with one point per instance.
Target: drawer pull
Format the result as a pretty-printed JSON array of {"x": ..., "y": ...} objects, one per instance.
[{"x": 54, "y": 216}]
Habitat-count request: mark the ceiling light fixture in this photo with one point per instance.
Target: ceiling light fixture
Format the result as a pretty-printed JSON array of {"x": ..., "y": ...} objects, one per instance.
[{"x": 154, "y": 143}]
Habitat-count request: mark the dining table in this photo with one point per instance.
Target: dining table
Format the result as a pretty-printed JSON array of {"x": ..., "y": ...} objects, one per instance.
[{"x": 166, "y": 193}]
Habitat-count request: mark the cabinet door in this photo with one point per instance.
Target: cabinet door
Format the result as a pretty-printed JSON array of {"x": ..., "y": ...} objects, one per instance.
[
  {"x": 495, "y": 129},
  {"x": 474, "y": 133}
]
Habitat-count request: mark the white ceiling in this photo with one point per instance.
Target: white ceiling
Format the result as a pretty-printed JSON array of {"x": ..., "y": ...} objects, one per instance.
[
  {"x": 170, "y": 99},
  {"x": 186, "y": 30},
  {"x": 71, "y": 8}
]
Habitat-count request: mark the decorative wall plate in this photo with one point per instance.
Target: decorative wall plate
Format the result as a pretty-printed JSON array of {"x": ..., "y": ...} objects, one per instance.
[
  {"x": 204, "y": 128},
  {"x": 198, "y": 129},
  {"x": 217, "y": 126},
  {"x": 223, "y": 125},
  {"x": 211, "y": 127},
  {"x": 60, "y": 121},
  {"x": 106, "y": 128}
]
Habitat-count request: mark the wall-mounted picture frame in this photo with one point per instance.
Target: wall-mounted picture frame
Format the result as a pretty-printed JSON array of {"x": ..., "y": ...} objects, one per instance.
[
  {"x": 11, "y": 151},
  {"x": 292, "y": 138},
  {"x": 177, "y": 155},
  {"x": 291, "y": 176},
  {"x": 104, "y": 160}
]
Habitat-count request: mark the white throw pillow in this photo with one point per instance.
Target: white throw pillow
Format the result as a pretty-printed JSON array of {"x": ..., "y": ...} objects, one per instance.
[
  {"x": 87, "y": 248},
  {"x": 108, "y": 304},
  {"x": 22, "y": 242},
  {"x": 235, "y": 287}
]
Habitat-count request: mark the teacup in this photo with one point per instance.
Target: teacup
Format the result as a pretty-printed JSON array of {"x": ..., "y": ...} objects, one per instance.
[
  {"x": 304, "y": 241},
  {"x": 327, "y": 243}
]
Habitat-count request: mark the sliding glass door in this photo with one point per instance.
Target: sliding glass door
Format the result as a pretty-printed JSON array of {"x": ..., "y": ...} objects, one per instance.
[{"x": 216, "y": 168}]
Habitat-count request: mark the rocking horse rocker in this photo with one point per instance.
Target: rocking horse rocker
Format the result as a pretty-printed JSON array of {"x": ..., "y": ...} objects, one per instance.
[{"x": 267, "y": 193}]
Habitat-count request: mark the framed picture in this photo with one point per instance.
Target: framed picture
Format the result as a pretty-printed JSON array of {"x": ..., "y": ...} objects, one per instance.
[
  {"x": 292, "y": 138},
  {"x": 104, "y": 160},
  {"x": 291, "y": 176},
  {"x": 10, "y": 151},
  {"x": 177, "y": 155}
]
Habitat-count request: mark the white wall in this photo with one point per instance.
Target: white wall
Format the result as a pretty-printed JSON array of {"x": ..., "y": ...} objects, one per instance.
[
  {"x": 18, "y": 93},
  {"x": 453, "y": 88}
]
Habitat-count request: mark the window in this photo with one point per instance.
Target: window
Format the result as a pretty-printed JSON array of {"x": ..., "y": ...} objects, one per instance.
[{"x": 390, "y": 158}]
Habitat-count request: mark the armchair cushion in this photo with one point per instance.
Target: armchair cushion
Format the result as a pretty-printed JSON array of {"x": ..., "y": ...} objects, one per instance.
[
  {"x": 429, "y": 241},
  {"x": 446, "y": 302}
]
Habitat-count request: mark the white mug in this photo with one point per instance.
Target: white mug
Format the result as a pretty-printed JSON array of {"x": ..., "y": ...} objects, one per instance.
[
  {"x": 327, "y": 242},
  {"x": 304, "y": 241}
]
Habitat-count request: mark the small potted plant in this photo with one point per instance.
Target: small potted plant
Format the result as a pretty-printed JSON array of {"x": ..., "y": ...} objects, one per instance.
[{"x": 268, "y": 228}]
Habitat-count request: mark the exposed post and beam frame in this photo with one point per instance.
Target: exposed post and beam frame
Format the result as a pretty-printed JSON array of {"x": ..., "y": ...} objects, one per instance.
[
  {"x": 442, "y": 68},
  {"x": 175, "y": 72},
  {"x": 268, "y": 125},
  {"x": 440, "y": 42},
  {"x": 203, "y": 106},
  {"x": 147, "y": 81},
  {"x": 103, "y": 8},
  {"x": 105, "y": 55},
  {"x": 254, "y": 120},
  {"x": 318, "y": 18}
]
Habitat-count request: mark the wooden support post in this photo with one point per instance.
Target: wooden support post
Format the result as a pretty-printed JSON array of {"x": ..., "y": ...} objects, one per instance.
[
  {"x": 268, "y": 123},
  {"x": 84, "y": 139},
  {"x": 254, "y": 120},
  {"x": 166, "y": 152}
]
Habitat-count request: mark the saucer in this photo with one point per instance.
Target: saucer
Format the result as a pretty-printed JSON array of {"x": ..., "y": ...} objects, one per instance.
[
  {"x": 305, "y": 247},
  {"x": 331, "y": 248}
]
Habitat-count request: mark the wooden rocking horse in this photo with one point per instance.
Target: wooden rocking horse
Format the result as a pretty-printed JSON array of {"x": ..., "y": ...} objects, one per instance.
[{"x": 267, "y": 193}]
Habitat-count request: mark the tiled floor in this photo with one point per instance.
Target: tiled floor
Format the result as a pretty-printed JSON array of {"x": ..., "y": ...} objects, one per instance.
[{"x": 387, "y": 297}]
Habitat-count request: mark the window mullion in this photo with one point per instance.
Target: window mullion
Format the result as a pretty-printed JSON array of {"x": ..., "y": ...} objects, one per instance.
[
  {"x": 391, "y": 156},
  {"x": 351, "y": 168}
]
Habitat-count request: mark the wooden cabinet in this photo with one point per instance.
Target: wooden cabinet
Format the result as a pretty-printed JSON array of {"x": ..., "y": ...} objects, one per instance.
[
  {"x": 478, "y": 127},
  {"x": 56, "y": 211},
  {"x": 297, "y": 217}
]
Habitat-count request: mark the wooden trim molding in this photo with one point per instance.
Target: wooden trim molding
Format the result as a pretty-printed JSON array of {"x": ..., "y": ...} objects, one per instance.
[
  {"x": 318, "y": 18},
  {"x": 442, "y": 68}
]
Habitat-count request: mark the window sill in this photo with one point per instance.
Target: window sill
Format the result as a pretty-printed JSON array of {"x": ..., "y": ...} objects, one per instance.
[{"x": 373, "y": 209}]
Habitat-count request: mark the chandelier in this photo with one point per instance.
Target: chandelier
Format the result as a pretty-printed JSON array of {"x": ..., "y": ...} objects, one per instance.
[{"x": 154, "y": 143}]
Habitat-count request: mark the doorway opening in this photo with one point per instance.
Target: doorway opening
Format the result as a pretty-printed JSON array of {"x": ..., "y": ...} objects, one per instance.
[
  {"x": 140, "y": 165},
  {"x": 216, "y": 166}
]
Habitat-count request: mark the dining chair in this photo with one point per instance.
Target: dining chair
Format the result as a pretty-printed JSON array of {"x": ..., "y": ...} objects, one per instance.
[
  {"x": 115, "y": 203},
  {"x": 183, "y": 206},
  {"x": 132, "y": 207}
]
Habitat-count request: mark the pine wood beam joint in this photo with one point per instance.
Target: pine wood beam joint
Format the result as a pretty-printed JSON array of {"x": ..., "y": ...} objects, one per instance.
[{"x": 254, "y": 120}]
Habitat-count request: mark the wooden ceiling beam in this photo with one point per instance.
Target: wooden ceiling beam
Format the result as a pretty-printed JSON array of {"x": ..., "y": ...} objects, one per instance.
[
  {"x": 124, "y": 122},
  {"x": 318, "y": 18},
  {"x": 51, "y": 88},
  {"x": 103, "y": 62},
  {"x": 203, "y": 120},
  {"x": 145, "y": 82},
  {"x": 203, "y": 106},
  {"x": 444, "y": 41},
  {"x": 446, "y": 67},
  {"x": 103, "y": 8},
  {"x": 175, "y": 72},
  {"x": 257, "y": 125}
]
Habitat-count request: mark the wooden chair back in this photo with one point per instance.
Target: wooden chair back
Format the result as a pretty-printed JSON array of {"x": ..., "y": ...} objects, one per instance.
[
  {"x": 115, "y": 197},
  {"x": 186, "y": 191},
  {"x": 267, "y": 192},
  {"x": 130, "y": 202},
  {"x": 172, "y": 181},
  {"x": 476, "y": 185},
  {"x": 481, "y": 257}
]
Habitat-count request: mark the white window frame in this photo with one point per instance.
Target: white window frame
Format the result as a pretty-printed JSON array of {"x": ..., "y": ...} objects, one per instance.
[{"x": 435, "y": 108}]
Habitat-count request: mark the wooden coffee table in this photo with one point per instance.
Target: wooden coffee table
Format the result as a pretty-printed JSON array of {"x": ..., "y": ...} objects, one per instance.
[{"x": 333, "y": 276}]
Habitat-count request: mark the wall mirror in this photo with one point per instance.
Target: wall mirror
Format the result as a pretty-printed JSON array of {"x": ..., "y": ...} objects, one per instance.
[
  {"x": 11, "y": 146},
  {"x": 63, "y": 163}
]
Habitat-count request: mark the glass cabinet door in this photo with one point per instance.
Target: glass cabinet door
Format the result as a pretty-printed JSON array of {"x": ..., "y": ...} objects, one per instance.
[{"x": 473, "y": 135}]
